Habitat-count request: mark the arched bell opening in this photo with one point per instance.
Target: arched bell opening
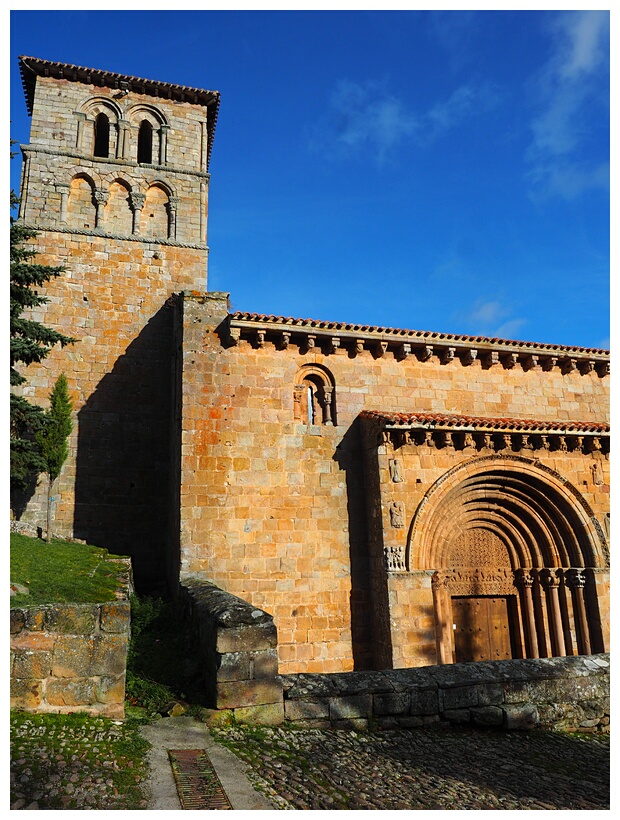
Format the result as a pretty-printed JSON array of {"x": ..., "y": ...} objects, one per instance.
[{"x": 513, "y": 551}]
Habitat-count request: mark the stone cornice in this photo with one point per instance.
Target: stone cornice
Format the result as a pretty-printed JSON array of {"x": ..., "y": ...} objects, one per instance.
[
  {"x": 333, "y": 336},
  {"x": 476, "y": 433},
  {"x": 147, "y": 240},
  {"x": 124, "y": 163}
]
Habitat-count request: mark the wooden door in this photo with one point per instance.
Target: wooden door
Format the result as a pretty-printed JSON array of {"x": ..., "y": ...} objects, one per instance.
[{"x": 481, "y": 629}]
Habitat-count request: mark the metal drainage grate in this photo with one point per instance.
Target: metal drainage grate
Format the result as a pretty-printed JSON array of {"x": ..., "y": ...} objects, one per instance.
[{"x": 198, "y": 785}]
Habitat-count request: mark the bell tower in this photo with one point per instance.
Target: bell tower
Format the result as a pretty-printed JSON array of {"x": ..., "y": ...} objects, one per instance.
[{"x": 115, "y": 181}]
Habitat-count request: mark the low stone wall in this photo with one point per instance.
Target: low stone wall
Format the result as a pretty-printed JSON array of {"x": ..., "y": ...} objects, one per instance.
[
  {"x": 237, "y": 655},
  {"x": 72, "y": 657},
  {"x": 550, "y": 693}
]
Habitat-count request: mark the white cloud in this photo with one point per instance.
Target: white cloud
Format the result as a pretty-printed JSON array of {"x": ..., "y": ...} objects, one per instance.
[
  {"x": 367, "y": 116},
  {"x": 570, "y": 100},
  {"x": 493, "y": 319}
]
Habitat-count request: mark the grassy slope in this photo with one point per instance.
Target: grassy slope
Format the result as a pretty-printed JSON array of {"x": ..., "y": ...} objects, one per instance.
[{"x": 60, "y": 572}]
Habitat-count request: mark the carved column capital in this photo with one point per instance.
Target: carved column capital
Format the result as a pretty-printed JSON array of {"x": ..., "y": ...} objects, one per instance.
[
  {"x": 549, "y": 577},
  {"x": 101, "y": 197},
  {"x": 137, "y": 200},
  {"x": 524, "y": 578},
  {"x": 441, "y": 578},
  {"x": 575, "y": 578}
]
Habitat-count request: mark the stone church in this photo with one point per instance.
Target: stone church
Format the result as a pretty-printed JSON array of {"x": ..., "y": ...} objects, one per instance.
[{"x": 394, "y": 498}]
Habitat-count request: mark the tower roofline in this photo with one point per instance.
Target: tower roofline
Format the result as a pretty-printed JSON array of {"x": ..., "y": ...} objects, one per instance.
[{"x": 33, "y": 67}]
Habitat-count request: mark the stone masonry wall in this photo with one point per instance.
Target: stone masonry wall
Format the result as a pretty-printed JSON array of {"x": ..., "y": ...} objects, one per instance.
[
  {"x": 274, "y": 510},
  {"x": 549, "y": 693},
  {"x": 236, "y": 646},
  {"x": 71, "y": 657}
]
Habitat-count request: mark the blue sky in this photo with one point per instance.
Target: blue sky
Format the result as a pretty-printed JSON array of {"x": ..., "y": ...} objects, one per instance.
[{"x": 439, "y": 171}]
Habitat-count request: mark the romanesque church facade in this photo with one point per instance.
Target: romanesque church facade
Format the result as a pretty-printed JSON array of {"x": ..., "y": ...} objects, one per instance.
[{"x": 393, "y": 498}]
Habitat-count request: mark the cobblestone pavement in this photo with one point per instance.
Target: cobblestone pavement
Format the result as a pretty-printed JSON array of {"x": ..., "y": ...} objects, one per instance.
[{"x": 424, "y": 769}]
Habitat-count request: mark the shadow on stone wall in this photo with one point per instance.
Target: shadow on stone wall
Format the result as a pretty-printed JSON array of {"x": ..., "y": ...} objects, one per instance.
[
  {"x": 122, "y": 490},
  {"x": 348, "y": 456}
]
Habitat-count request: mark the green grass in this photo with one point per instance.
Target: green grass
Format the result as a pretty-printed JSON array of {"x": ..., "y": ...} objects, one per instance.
[
  {"x": 60, "y": 572},
  {"x": 77, "y": 762}
]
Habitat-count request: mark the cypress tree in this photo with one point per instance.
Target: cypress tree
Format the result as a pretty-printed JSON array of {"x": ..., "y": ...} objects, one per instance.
[{"x": 52, "y": 439}]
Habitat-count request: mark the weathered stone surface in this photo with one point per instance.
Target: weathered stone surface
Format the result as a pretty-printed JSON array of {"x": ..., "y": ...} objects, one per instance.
[
  {"x": 32, "y": 664},
  {"x": 109, "y": 655},
  {"x": 265, "y": 663},
  {"x": 424, "y": 701},
  {"x": 72, "y": 656},
  {"x": 74, "y": 692},
  {"x": 308, "y": 685},
  {"x": 72, "y": 619},
  {"x": 490, "y": 694},
  {"x": 459, "y": 697},
  {"x": 110, "y": 690},
  {"x": 115, "y": 617},
  {"x": 520, "y": 716},
  {"x": 217, "y": 717},
  {"x": 297, "y": 710},
  {"x": 26, "y": 694},
  {"x": 487, "y": 716},
  {"x": 234, "y": 666},
  {"x": 350, "y": 706},
  {"x": 457, "y": 715},
  {"x": 267, "y": 714},
  {"x": 233, "y": 694},
  {"x": 32, "y": 641},
  {"x": 18, "y": 621},
  {"x": 394, "y": 703},
  {"x": 246, "y": 638}
]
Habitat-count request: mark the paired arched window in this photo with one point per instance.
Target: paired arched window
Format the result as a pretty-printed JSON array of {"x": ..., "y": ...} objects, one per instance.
[
  {"x": 145, "y": 142},
  {"x": 102, "y": 136},
  {"x": 314, "y": 396}
]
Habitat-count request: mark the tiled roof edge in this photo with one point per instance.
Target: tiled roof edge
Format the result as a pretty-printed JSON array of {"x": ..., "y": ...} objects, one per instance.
[
  {"x": 436, "y": 420},
  {"x": 238, "y": 318}
]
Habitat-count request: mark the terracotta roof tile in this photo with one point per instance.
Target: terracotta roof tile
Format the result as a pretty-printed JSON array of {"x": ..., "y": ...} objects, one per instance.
[
  {"x": 480, "y": 422},
  {"x": 445, "y": 338}
]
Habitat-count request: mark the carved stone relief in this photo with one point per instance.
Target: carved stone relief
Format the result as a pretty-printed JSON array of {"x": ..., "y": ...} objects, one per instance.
[
  {"x": 397, "y": 514},
  {"x": 396, "y": 471}
]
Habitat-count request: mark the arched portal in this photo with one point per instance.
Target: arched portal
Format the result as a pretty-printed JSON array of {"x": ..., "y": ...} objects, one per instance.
[{"x": 513, "y": 547}]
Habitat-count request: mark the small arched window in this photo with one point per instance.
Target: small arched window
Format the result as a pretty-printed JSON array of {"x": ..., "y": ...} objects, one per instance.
[
  {"x": 314, "y": 396},
  {"x": 145, "y": 142},
  {"x": 102, "y": 136}
]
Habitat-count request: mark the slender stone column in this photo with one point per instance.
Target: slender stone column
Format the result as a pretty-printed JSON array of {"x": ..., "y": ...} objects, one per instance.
[
  {"x": 297, "y": 393},
  {"x": 122, "y": 146},
  {"x": 443, "y": 620},
  {"x": 79, "y": 140},
  {"x": 576, "y": 580},
  {"x": 137, "y": 203},
  {"x": 163, "y": 144},
  {"x": 327, "y": 407},
  {"x": 550, "y": 579},
  {"x": 101, "y": 197},
  {"x": 204, "y": 145},
  {"x": 525, "y": 581},
  {"x": 63, "y": 190},
  {"x": 173, "y": 203}
]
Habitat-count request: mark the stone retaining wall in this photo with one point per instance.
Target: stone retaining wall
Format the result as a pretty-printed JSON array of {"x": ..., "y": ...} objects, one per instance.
[
  {"x": 237, "y": 655},
  {"x": 549, "y": 693},
  {"x": 72, "y": 657}
]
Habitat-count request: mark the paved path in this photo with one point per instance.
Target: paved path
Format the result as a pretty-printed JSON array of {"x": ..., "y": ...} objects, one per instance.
[
  {"x": 425, "y": 769},
  {"x": 187, "y": 733}
]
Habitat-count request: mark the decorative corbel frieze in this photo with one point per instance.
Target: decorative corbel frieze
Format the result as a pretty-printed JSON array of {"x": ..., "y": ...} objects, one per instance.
[
  {"x": 380, "y": 348},
  {"x": 359, "y": 346},
  {"x": 468, "y": 441},
  {"x": 334, "y": 344},
  {"x": 404, "y": 350},
  {"x": 310, "y": 342},
  {"x": 490, "y": 358},
  {"x": 468, "y": 356},
  {"x": 425, "y": 352},
  {"x": 234, "y": 334},
  {"x": 509, "y": 360},
  {"x": 285, "y": 338},
  {"x": 447, "y": 355},
  {"x": 530, "y": 361},
  {"x": 260, "y": 338},
  {"x": 526, "y": 443},
  {"x": 568, "y": 365},
  {"x": 586, "y": 366},
  {"x": 602, "y": 368}
]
